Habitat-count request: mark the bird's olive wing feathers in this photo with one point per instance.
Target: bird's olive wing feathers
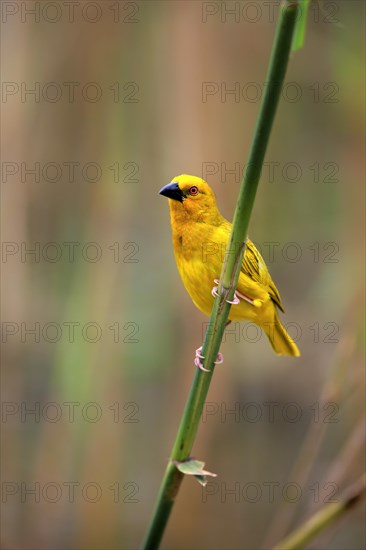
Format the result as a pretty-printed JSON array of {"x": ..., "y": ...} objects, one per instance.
[
  {"x": 254, "y": 266},
  {"x": 254, "y": 272}
]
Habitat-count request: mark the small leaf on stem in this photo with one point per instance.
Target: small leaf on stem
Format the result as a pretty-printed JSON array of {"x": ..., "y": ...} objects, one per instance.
[{"x": 194, "y": 467}]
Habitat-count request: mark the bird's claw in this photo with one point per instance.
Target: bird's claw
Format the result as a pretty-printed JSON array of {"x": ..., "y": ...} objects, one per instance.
[
  {"x": 199, "y": 356},
  {"x": 219, "y": 359},
  {"x": 237, "y": 296},
  {"x": 215, "y": 288},
  {"x": 235, "y": 301}
]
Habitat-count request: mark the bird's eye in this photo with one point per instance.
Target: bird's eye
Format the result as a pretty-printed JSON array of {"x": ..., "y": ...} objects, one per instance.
[{"x": 193, "y": 190}]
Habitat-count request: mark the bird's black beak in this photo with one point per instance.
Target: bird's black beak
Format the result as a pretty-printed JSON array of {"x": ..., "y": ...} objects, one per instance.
[{"x": 172, "y": 191}]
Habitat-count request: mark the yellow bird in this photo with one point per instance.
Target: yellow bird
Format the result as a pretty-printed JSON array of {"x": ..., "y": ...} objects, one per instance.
[{"x": 200, "y": 237}]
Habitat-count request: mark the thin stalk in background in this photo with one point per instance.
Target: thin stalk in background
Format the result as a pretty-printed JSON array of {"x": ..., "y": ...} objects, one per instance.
[
  {"x": 311, "y": 444},
  {"x": 327, "y": 515},
  {"x": 229, "y": 276}
]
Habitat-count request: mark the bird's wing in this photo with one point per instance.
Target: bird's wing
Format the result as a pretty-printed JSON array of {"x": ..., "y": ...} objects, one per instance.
[
  {"x": 254, "y": 266},
  {"x": 254, "y": 279}
]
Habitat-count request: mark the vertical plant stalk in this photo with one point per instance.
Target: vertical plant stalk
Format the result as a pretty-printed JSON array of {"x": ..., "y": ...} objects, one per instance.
[
  {"x": 230, "y": 273},
  {"x": 328, "y": 514}
]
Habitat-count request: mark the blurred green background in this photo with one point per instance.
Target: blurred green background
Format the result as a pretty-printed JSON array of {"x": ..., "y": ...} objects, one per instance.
[{"x": 126, "y": 95}]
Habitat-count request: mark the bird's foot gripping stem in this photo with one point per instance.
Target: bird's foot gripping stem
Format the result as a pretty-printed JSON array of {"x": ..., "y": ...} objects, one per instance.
[
  {"x": 237, "y": 297},
  {"x": 199, "y": 356}
]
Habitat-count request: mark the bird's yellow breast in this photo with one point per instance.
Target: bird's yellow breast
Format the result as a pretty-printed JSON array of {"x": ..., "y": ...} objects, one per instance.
[{"x": 197, "y": 268}]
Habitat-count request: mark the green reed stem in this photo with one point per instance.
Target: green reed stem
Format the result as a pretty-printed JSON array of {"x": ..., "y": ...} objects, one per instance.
[{"x": 229, "y": 276}]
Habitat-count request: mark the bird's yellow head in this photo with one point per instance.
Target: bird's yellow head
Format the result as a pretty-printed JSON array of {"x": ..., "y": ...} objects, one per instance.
[{"x": 191, "y": 197}]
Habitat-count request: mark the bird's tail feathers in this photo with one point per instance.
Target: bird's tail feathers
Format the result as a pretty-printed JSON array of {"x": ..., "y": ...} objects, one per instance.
[{"x": 281, "y": 342}]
